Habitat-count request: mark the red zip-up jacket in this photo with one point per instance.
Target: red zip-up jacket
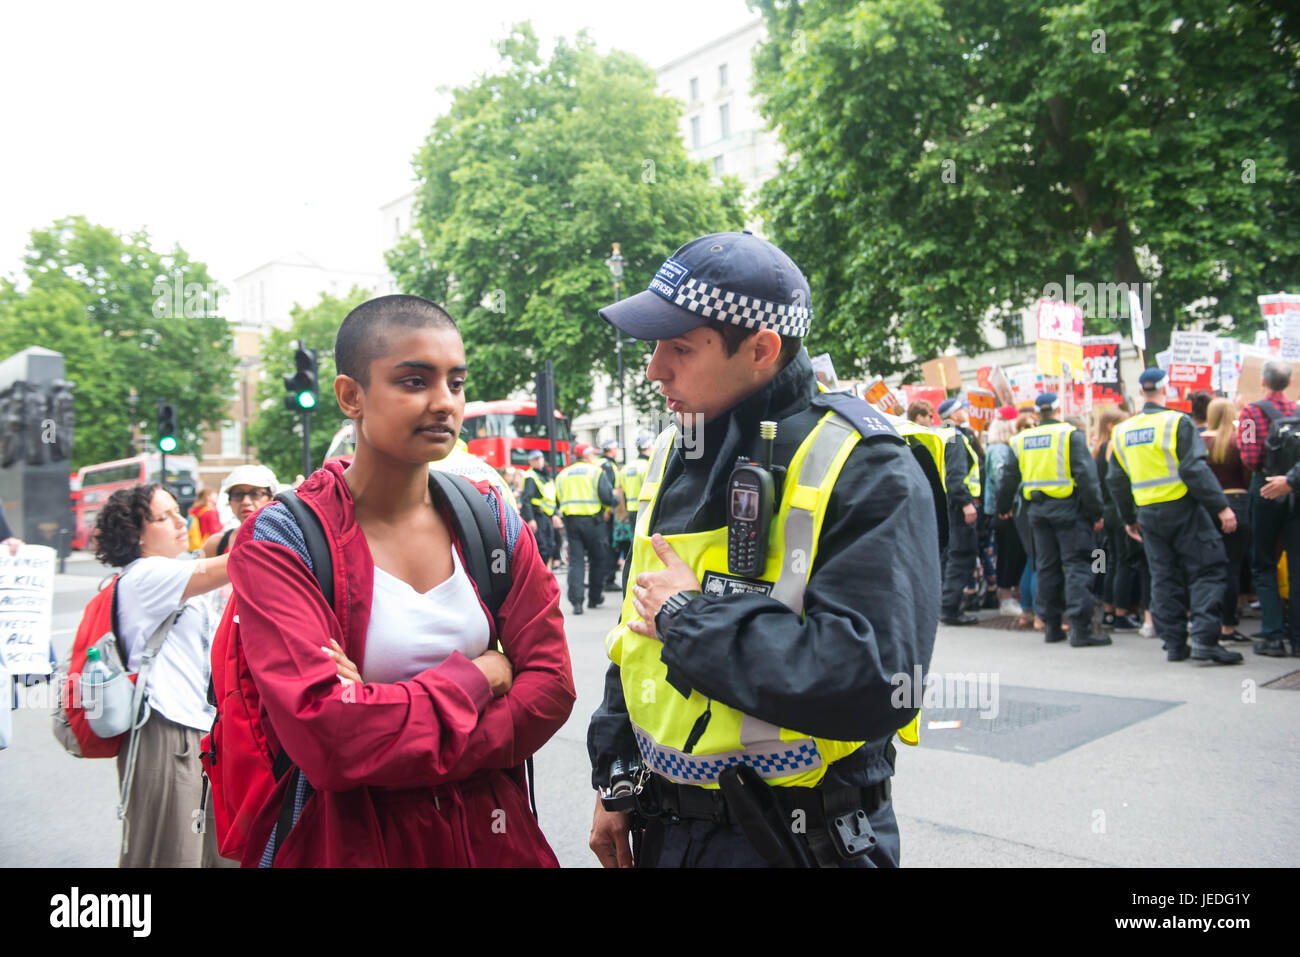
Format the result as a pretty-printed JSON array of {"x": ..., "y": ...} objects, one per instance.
[{"x": 423, "y": 772}]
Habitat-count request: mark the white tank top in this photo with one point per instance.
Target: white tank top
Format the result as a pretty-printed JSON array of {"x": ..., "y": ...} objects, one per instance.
[{"x": 409, "y": 631}]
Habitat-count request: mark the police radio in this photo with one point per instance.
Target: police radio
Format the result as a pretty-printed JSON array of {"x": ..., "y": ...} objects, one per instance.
[{"x": 751, "y": 493}]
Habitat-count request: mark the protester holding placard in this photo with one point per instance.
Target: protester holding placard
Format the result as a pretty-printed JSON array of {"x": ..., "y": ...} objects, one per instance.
[
  {"x": 141, "y": 530},
  {"x": 1121, "y": 582},
  {"x": 1009, "y": 553}
]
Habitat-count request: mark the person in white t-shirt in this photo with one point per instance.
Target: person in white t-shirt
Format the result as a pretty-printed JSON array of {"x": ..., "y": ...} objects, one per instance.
[{"x": 142, "y": 530}]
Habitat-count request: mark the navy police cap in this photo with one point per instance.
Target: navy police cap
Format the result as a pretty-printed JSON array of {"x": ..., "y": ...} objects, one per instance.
[
  {"x": 735, "y": 278},
  {"x": 1048, "y": 400},
  {"x": 1150, "y": 379}
]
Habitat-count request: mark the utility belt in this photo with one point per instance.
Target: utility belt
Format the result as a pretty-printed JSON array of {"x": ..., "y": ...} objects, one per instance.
[{"x": 772, "y": 818}]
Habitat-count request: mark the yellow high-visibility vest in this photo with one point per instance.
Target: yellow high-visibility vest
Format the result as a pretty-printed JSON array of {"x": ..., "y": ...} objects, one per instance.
[
  {"x": 545, "y": 497},
  {"x": 1146, "y": 447},
  {"x": 633, "y": 479},
  {"x": 972, "y": 479},
  {"x": 928, "y": 439},
  {"x": 577, "y": 489},
  {"x": 1044, "y": 456},
  {"x": 662, "y": 719}
]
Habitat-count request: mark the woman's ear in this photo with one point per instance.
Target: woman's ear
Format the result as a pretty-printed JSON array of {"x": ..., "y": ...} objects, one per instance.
[{"x": 350, "y": 395}]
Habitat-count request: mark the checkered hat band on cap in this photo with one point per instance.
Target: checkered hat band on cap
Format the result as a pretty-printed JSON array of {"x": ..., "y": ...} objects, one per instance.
[{"x": 750, "y": 312}]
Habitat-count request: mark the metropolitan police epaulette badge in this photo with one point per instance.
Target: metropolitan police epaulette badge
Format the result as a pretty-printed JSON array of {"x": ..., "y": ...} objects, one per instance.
[{"x": 859, "y": 413}]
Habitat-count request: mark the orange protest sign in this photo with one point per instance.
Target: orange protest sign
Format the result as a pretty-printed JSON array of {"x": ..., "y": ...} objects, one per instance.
[
  {"x": 882, "y": 397},
  {"x": 983, "y": 406}
]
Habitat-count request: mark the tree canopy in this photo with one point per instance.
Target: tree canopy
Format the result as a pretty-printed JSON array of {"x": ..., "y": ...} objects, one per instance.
[
  {"x": 125, "y": 317},
  {"x": 947, "y": 159},
  {"x": 525, "y": 184},
  {"x": 276, "y": 433}
]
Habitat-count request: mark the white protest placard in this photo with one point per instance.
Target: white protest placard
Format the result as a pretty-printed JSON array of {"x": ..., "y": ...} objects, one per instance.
[
  {"x": 1290, "y": 327},
  {"x": 26, "y": 603},
  {"x": 1164, "y": 358},
  {"x": 1137, "y": 327},
  {"x": 1193, "y": 348}
]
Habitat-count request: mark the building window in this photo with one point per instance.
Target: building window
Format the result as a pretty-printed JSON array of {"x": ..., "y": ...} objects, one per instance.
[
  {"x": 724, "y": 119},
  {"x": 695, "y": 89},
  {"x": 397, "y": 227},
  {"x": 695, "y": 132},
  {"x": 717, "y": 165},
  {"x": 722, "y": 77},
  {"x": 230, "y": 441}
]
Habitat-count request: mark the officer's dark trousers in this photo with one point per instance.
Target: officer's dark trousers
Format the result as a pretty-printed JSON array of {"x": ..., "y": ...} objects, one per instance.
[
  {"x": 691, "y": 843},
  {"x": 545, "y": 535},
  {"x": 1063, "y": 558},
  {"x": 1237, "y": 546},
  {"x": 963, "y": 546},
  {"x": 1276, "y": 527},
  {"x": 1185, "y": 552},
  {"x": 586, "y": 540},
  {"x": 1123, "y": 585}
]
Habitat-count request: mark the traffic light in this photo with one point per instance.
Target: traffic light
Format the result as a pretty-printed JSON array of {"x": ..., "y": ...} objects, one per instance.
[
  {"x": 166, "y": 426},
  {"x": 302, "y": 386}
]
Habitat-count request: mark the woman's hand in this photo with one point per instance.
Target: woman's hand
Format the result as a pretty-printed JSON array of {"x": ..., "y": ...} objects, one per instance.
[
  {"x": 497, "y": 669},
  {"x": 348, "y": 673}
]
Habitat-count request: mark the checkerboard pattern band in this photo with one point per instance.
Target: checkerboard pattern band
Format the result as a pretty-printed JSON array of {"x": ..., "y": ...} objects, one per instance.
[
  {"x": 749, "y": 312},
  {"x": 791, "y": 758}
]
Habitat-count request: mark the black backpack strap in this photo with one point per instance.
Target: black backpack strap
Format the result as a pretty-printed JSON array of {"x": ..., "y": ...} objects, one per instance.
[
  {"x": 480, "y": 535},
  {"x": 1269, "y": 409},
  {"x": 318, "y": 546},
  {"x": 225, "y": 540}
]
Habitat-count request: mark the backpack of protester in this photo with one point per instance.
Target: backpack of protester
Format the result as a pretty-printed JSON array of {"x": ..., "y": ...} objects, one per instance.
[
  {"x": 99, "y": 728},
  {"x": 1282, "y": 444},
  {"x": 242, "y": 766}
]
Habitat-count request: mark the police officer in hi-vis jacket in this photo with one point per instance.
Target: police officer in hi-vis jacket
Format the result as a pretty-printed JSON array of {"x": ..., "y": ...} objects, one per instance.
[
  {"x": 1166, "y": 493},
  {"x": 1054, "y": 471},
  {"x": 784, "y": 578}
]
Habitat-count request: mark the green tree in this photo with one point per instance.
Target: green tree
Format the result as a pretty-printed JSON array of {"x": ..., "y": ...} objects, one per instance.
[
  {"x": 947, "y": 159},
  {"x": 110, "y": 304},
  {"x": 276, "y": 433},
  {"x": 524, "y": 186}
]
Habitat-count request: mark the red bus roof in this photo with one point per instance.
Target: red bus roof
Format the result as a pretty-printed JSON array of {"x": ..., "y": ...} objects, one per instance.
[{"x": 504, "y": 407}]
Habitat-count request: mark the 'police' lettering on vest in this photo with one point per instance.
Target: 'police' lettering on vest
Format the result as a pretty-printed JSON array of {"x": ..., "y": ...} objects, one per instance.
[
  {"x": 1140, "y": 437},
  {"x": 1038, "y": 442}
]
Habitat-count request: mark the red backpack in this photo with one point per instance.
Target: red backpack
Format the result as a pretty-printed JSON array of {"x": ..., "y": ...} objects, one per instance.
[
  {"x": 243, "y": 763},
  {"x": 98, "y": 627}
]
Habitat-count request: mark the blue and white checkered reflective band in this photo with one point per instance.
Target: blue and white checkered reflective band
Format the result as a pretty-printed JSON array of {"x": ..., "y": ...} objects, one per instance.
[
  {"x": 790, "y": 757},
  {"x": 749, "y": 312}
]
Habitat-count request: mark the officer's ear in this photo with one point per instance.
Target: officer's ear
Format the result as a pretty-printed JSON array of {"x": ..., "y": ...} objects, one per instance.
[{"x": 767, "y": 347}]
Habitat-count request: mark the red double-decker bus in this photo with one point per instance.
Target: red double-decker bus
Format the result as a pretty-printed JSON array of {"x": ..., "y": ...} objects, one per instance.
[
  {"x": 500, "y": 432},
  {"x": 503, "y": 431}
]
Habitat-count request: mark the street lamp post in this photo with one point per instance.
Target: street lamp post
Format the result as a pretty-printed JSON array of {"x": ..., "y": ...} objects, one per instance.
[{"x": 615, "y": 264}]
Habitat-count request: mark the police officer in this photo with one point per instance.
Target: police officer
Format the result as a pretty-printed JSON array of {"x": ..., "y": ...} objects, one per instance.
[
  {"x": 1166, "y": 494},
  {"x": 752, "y": 697},
  {"x": 962, "y": 467},
  {"x": 538, "y": 506},
  {"x": 583, "y": 490},
  {"x": 609, "y": 450},
  {"x": 629, "y": 492},
  {"x": 1058, "y": 478}
]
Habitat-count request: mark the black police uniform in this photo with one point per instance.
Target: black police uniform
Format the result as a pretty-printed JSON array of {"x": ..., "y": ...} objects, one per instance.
[
  {"x": 1184, "y": 549},
  {"x": 609, "y": 468},
  {"x": 963, "y": 537},
  {"x": 547, "y": 545},
  {"x": 1063, "y": 541},
  {"x": 870, "y": 613},
  {"x": 587, "y": 541}
]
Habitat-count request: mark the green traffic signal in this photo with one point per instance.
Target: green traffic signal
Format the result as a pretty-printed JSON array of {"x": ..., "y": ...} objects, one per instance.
[
  {"x": 306, "y": 400},
  {"x": 167, "y": 443}
]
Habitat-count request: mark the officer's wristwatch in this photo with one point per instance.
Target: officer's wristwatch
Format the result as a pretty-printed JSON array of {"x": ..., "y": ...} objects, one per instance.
[{"x": 672, "y": 606}]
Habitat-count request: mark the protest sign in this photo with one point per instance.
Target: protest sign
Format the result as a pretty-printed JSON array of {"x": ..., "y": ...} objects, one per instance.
[
  {"x": 1001, "y": 387},
  {"x": 926, "y": 394},
  {"x": 26, "y": 603},
  {"x": 1101, "y": 359},
  {"x": 1250, "y": 384},
  {"x": 1137, "y": 325},
  {"x": 942, "y": 373},
  {"x": 1193, "y": 348},
  {"x": 1289, "y": 345},
  {"x": 983, "y": 404},
  {"x": 1187, "y": 377},
  {"x": 1060, "y": 336},
  {"x": 824, "y": 370},
  {"x": 882, "y": 397}
]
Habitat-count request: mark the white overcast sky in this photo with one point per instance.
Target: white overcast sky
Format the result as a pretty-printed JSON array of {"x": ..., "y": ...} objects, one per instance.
[{"x": 247, "y": 131}]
